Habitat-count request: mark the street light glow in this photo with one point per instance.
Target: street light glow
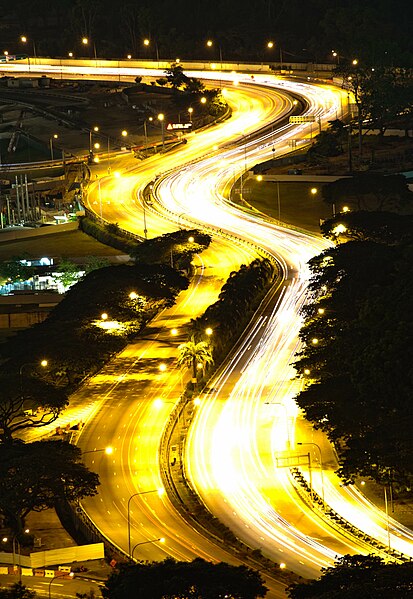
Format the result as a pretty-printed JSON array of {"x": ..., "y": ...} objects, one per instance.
[
  {"x": 23, "y": 39},
  {"x": 44, "y": 363},
  {"x": 161, "y": 116},
  {"x": 209, "y": 43},
  {"x": 162, "y": 367},
  {"x": 313, "y": 191},
  {"x": 104, "y": 316},
  {"x": 270, "y": 45},
  {"x": 124, "y": 133},
  {"x": 209, "y": 331},
  {"x": 146, "y": 42},
  {"x": 85, "y": 40},
  {"x": 203, "y": 100}
]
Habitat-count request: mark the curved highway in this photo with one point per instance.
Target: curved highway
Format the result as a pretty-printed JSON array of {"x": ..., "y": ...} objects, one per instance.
[{"x": 244, "y": 436}]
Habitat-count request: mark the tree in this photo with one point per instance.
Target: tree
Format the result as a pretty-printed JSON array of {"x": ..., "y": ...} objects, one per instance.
[
  {"x": 356, "y": 357},
  {"x": 67, "y": 273},
  {"x": 17, "y": 591},
  {"x": 198, "y": 579},
  {"x": 14, "y": 271},
  {"x": 27, "y": 403},
  {"x": 358, "y": 577},
  {"x": 368, "y": 192},
  {"x": 34, "y": 476},
  {"x": 192, "y": 353},
  {"x": 380, "y": 227},
  {"x": 176, "y": 76}
]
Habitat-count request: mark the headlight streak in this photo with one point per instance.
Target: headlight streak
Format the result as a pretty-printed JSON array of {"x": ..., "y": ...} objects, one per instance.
[
  {"x": 222, "y": 450},
  {"x": 296, "y": 247}
]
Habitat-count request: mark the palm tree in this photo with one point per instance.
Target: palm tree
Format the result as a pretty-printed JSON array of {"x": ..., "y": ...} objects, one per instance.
[{"x": 191, "y": 354}]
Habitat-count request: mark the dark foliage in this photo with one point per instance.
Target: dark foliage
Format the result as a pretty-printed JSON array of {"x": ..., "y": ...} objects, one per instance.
[
  {"x": 358, "y": 577},
  {"x": 308, "y": 31},
  {"x": 381, "y": 227},
  {"x": 27, "y": 403},
  {"x": 72, "y": 338},
  {"x": 369, "y": 192},
  {"x": 238, "y": 300},
  {"x": 34, "y": 476},
  {"x": 357, "y": 354},
  {"x": 198, "y": 579}
]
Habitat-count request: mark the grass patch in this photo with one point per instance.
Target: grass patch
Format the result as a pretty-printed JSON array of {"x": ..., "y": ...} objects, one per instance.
[{"x": 297, "y": 206}]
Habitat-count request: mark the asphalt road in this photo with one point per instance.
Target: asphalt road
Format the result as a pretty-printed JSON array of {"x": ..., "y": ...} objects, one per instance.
[{"x": 236, "y": 451}]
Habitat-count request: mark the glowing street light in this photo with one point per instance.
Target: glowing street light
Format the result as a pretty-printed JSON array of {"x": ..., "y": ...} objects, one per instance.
[
  {"x": 104, "y": 316},
  {"x": 147, "y": 43},
  {"x": 270, "y": 45},
  {"x": 162, "y": 367},
  {"x": 161, "y": 119},
  {"x": 55, "y": 136},
  {"x": 190, "y": 111},
  {"x": 107, "y": 450},
  {"x": 208, "y": 331},
  {"x": 203, "y": 100},
  {"x": 124, "y": 133},
  {"x": 314, "y": 191},
  {"x": 314, "y": 341}
]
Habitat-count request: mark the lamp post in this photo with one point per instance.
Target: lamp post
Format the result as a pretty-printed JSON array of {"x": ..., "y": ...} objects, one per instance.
[
  {"x": 245, "y": 166},
  {"x": 54, "y": 578},
  {"x": 210, "y": 43},
  {"x": 190, "y": 111},
  {"x": 147, "y": 42},
  {"x": 321, "y": 467},
  {"x": 95, "y": 129},
  {"x": 54, "y": 136},
  {"x": 159, "y": 491},
  {"x": 160, "y": 540},
  {"x": 108, "y": 450},
  {"x": 161, "y": 118},
  {"x": 145, "y": 130},
  {"x": 43, "y": 364},
  {"x": 16, "y": 543},
  {"x": 100, "y": 197}
]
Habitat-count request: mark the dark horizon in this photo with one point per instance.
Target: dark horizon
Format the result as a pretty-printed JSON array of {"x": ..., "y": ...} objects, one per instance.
[{"x": 378, "y": 32}]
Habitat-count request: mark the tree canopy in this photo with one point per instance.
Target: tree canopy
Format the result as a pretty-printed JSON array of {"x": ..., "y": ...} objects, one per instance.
[
  {"x": 367, "y": 191},
  {"x": 27, "y": 403},
  {"x": 170, "y": 579},
  {"x": 358, "y": 577},
  {"x": 356, "y": 357},
  {"x": 34, "y": 476}
]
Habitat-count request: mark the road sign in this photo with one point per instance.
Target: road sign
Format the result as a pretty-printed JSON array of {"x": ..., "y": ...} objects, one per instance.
[
  {"x": 302, "y": 119},
  {"x": 178, "y": 126}
]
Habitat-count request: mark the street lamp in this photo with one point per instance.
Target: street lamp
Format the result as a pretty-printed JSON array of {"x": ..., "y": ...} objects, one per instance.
[
  {"x": 161, "y": 118},
  {"x": 54, "y": 136},
  {"x": 160, "y": 492},
  {"x": 190, "y": 111},
  {"x": 147, "y": 42},
  {"x": 108, "y": 450},
  {"x": 160, "y": 540},
  {"x": 145, "y": 130},
  {"x": 95, "y": 129},
  {"x": 85, "y": 42},
  {"x": 15, "y": 542},
  {"x": 321, "y": 468},
  {"x": 210, "y": 43},
  {"x": 43, "y": 364},
  {"x": 54, "y": 578}
]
